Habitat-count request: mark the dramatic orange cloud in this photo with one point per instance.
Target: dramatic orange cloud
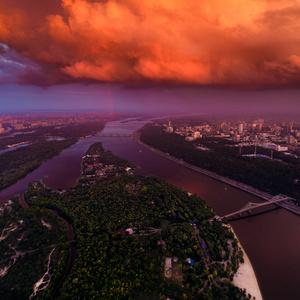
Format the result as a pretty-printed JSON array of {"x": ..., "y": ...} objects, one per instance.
[{"x": 246, "y": 43}]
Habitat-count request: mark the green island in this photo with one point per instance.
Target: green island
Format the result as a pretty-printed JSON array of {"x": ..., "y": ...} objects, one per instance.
[
  {"x": 136, "y": 238},
  {"x": 225, "y": 159},
  {"x": 98, "y": 164},
  {"x": 17, "y": 163}
]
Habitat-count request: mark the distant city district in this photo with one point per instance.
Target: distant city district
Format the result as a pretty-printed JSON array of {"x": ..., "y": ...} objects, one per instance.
[{"x": 281, "y": 137}]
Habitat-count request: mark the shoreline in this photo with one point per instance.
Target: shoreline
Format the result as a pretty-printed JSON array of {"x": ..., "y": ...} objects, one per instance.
[
  {"x": 245, "y": 277},
  {"x": 236, "y": 184},
  {"x": 239, "y": 185}
]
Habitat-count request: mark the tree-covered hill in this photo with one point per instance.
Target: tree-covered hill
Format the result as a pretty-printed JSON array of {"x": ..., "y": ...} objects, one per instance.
[
  {"x": 29, "y": 239},
  {"x": 136, "y": 238},
  {"x": 164, "y": 224}
]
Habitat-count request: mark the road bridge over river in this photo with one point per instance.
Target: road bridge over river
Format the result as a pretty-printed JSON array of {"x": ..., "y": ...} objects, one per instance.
[{"x": 114, "y": 134}]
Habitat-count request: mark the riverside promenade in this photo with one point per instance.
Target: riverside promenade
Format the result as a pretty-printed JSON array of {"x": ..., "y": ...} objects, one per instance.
[{"x": 247, "y": 188}]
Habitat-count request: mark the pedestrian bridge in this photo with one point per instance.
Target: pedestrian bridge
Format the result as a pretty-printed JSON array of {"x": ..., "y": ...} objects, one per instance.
[{"x": 252, "y": 205}]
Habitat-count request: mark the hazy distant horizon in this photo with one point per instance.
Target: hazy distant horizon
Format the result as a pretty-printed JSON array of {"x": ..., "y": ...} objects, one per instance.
[
  {"x": 276, "y": 117},
  {"x": 151, "y": 99}
]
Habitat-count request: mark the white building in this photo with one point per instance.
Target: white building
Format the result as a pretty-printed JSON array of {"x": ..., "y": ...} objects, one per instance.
[
  {"x": 241, "y": 128},
  {"x": 237, "y": 138},
  {"x": 168, "y": 267},
  {"x": 274, "y": 147},
  {"x": 197, "y": 135},
  {"x": 170, "y": 129}
]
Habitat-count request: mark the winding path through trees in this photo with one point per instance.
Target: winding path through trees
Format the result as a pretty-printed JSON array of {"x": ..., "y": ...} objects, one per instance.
[{"x": 72, "y": 247}]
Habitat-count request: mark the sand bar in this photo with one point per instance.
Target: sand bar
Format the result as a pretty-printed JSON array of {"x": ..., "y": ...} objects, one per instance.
[{"x": 245, "y": 277}]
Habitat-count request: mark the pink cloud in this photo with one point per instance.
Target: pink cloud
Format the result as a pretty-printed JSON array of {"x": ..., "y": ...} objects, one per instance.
[{"x": 246, "y": 43}]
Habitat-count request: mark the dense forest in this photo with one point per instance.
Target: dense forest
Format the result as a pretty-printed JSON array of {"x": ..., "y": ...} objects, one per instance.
[
  {"x": 28, "y": 236},
  {"x": 223, "y": 158},
  {"x": 162, "y": 222},
  {"x": 136, "y": 238},
  {"x": 17, "y": 163},
  {"x": 142, "y": 238}
]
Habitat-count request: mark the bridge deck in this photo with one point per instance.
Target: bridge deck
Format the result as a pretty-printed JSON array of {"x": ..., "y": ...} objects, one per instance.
[
  {"x": 249, "y": 206},
  {"x": 115, "y": 134}
]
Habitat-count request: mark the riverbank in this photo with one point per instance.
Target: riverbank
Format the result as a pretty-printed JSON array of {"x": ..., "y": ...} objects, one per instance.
[
  {"x": 18, "y": 163},
  {"x": 245, "y": 276},
  {"x": 239, "y": 185},
  {"x": 247, "y": 188}
]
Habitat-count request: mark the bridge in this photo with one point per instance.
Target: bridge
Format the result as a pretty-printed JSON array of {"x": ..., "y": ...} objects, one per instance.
[
  {"x": 251, "y": 205},
  {"x": 114, "y": 134}
]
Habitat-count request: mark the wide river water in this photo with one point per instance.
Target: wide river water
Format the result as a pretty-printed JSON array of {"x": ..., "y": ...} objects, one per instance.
[{"x": 271, "y": 239}]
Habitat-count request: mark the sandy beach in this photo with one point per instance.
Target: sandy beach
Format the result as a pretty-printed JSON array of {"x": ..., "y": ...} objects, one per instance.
[{"x": 245, "y": 277}]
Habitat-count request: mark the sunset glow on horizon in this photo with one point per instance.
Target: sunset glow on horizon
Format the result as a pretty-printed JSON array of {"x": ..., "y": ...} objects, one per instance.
[{"x": 233, "y": 43}]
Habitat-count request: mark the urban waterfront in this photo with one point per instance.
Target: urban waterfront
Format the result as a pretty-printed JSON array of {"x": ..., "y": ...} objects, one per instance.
[{"x": 268, "y": 238}]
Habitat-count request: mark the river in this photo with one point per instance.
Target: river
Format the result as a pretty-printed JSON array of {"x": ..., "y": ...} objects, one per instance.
[{"x": 271, "y": 240}]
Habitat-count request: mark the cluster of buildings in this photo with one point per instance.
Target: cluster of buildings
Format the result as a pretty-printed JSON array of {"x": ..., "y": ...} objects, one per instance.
[
  {"x": 93, "y": 168},
  {"x": 29, "y": 121},
  {"x": 280, "y": 137}
]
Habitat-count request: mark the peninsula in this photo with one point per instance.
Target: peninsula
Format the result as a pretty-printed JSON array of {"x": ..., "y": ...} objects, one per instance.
[{"x": 141, "y": 236}]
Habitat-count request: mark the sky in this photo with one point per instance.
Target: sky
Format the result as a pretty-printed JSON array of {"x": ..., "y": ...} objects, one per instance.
[{"x": 147, "y": 55}]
